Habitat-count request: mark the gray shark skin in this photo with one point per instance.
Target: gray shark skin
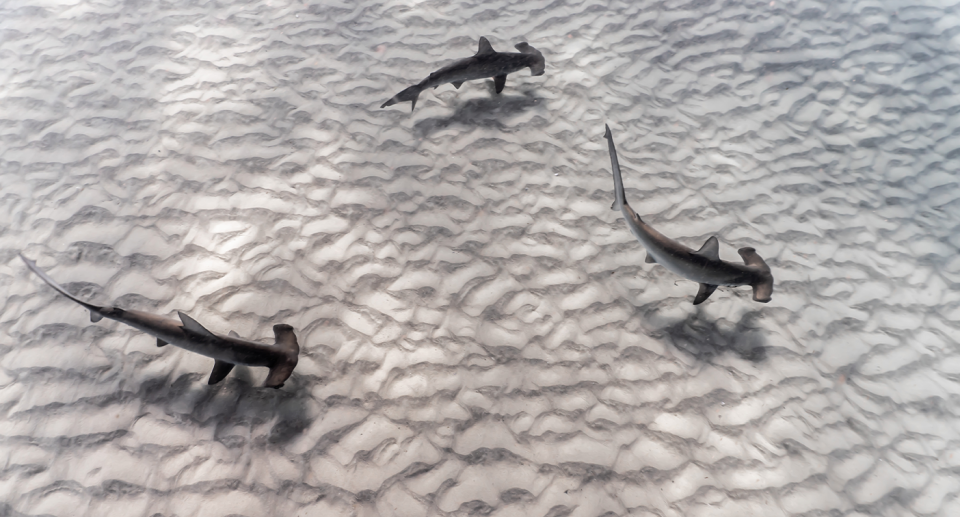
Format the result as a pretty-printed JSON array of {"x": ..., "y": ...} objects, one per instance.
[
  {"x": 704, "y": 265},
  {"x": 485, "y": 63},
  {"x": 187, "y": 334}
]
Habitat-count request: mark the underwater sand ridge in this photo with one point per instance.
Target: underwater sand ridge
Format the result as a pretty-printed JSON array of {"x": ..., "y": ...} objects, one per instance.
[{"x": 506, "y": 353}]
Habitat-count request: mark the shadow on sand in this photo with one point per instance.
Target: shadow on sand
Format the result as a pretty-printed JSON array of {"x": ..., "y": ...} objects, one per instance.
[
  {"x": 234, "y": 402},
  {"x": 481, "y": 112},
  {"x": 704, "y": 338}
]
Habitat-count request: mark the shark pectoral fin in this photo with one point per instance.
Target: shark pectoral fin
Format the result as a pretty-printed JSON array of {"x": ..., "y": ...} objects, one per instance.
[
  {"x": 457, "y": 84},
  {"x": 220, "y": 370},
  {"x": 95, "y": 316},
  {"x": 191, "y": 325},
  {"x": 650, "y": 259},
  {"x": 233, "y": 334},
  {"x": 710, "y": 249},
  {"x": 485, "y": 47},
  {"x": 161, "y": 342},
  {"x": 499, "y": 82},
  {"x": 705, "y": 291}
]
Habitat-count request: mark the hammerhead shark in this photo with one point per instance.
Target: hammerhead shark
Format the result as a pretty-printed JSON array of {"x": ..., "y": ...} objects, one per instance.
[
  {"x": 704, "y": 265},
  {"x": 485, "y": 63},
  {"x": 227, "y": 351}
]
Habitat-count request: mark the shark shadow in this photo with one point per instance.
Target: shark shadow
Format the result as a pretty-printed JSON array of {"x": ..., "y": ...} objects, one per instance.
[
  {"x": 230, "y": 404},
  {"x": 704, "y": 339},
  {"x": 480, "y": 113}
]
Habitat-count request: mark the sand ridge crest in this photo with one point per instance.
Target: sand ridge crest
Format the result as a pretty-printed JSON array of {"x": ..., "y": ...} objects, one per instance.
[{"x": 479, "y": 332}]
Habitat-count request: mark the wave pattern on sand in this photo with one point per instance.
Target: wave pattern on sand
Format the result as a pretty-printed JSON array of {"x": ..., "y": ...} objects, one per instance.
[{"x": 480, "y": 333}]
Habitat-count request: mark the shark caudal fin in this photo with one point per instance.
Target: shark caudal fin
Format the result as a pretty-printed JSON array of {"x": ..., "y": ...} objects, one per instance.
[
  {"x": 286, "y": 340},
  {"x": 410, "y": 94},
  {"x": 539, "y": 63},
  {"x": 620, "y": 200},
  {"x": 96, "y": 311},
  {"x": 763, "y": 287}
]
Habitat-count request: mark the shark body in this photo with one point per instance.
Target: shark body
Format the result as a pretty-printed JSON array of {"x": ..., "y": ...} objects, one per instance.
[
  {"x": 485, "y": 63},
  {"x": 187, "y": 334},
  {"x": 704, "y": 265}
]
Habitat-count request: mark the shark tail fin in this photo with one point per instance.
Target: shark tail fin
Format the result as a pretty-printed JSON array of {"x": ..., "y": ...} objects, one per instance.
[
  {"x": 539, "y": 63},
  {"x": 410, "y": 94},
  {"x": 620, "y": 199},
  {"x": 286, "y": 340},
  {"x": 96, "y": 311},
  {"x": 763, "y": 287}
]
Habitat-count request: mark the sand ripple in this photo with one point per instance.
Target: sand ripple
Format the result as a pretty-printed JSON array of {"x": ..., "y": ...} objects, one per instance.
[{"x": 480, "y": 334}]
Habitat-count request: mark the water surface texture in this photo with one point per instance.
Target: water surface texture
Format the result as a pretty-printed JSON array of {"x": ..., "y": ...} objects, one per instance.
[{"x": 480, "y": 333}]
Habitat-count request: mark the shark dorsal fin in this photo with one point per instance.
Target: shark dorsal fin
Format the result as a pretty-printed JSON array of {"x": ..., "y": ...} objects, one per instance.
[
  {"x": 485, "y": 47},
  {"x": 710, "y": 249},
  {"x": 191, "y": 325}
]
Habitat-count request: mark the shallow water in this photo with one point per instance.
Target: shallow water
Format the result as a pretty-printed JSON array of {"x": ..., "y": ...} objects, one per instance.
[{"x": 479, "y": 331}]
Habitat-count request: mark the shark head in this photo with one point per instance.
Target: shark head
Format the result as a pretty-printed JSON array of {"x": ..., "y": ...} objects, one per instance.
[
  {"x": 537, "y": 67},
  {"x": 763, "y": 285},
  {"x": 286, "y": 340}
]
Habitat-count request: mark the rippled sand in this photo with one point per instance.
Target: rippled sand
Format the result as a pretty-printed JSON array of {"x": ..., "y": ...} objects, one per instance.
[{"x": 480, "y": 333}]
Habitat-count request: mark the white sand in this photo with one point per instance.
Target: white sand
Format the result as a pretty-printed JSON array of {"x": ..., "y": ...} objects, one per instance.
[{"x": 479, "y": 332}]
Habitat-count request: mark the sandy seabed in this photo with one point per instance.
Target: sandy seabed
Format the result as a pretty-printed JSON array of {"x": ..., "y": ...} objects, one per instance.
[{"x": 480, "y": 334}]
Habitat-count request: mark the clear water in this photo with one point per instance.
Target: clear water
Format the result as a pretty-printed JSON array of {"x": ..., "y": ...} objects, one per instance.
[{"x": 479, "y": 331}]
